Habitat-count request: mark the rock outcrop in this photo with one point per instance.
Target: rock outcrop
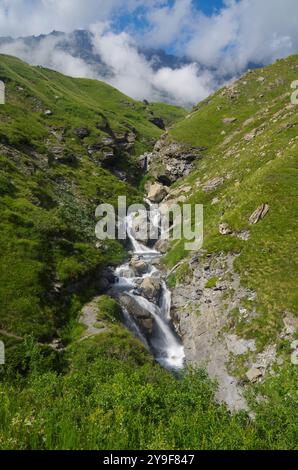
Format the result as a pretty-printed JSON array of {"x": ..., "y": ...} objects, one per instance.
[
  {"x": 170, "y": 161},
  {"x": 151, "y": 289},
  {"x": 143, "y": 318}
]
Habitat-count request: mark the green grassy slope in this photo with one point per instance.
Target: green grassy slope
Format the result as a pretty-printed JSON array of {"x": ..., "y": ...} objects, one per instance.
[
  {"x": 51, "y": 183},
  {"x": 256, "y": 157}
]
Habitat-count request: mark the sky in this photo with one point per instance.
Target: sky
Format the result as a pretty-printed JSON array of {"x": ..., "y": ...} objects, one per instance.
[{"x": 220, "y": 38}]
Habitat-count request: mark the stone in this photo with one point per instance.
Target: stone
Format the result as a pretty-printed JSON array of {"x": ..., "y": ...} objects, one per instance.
[
  {"x": 157, "y": 192},
  {"x": 224, "y": 229},
  {"x": 140, "y": 226},
  {"x": 259, "y": 214},
  {"x": 142, "y": 316},
  {"x": 48, "y": 112},
  {"x": 239, "y": 346},
  {"x": 251, "y": 135},
  {"x": 151, "y": 289},
  {"x": 213, "y": 184},
  {"x": 254, "y": 374},
  {"x": 139, "y": 266},
  {"x": 294, "y": 358},
  {"x": 229, "y": 120},
  {"x": 294, "y": 345},
  {"x": 291, "y": 324},
  {"x": 244, "y": 235},
  {"x": 162, "y": 246}
]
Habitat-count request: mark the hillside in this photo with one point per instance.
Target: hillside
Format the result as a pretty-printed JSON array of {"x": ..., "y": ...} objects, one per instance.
[
  {"x": 246, "y": 178},
  {"x": 67, "y": 145}
]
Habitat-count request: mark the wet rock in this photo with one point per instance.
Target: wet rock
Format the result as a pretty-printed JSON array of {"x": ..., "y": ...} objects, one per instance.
[
  {"x": 139, "y": 266},
  {"x": 213, "y": 184},
  {"x": 157, "y": 192},
  {"x": 259, "y": 214},
  {"x": 151, "y": 289},
  {"x": 142, "y": 316}
]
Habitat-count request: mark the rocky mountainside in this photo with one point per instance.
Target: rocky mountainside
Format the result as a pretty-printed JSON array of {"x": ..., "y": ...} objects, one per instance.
[
  {"x": 235, "y": 301},
  {"x": 74, "y": 376}
]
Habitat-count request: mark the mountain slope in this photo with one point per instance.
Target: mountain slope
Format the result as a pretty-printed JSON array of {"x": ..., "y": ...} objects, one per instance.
[
  {"x": 246, "y": 179},
  {"x": 66, "y": 145}
]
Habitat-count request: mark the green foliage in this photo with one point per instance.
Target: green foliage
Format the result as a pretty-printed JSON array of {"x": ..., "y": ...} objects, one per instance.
[
  {"x": 108, "y": 309},
  {"x": 256, "y": 169},
  {"x": 211, "y": 283}
]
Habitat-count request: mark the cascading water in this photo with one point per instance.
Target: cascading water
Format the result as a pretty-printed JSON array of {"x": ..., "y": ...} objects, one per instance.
[{"x": 163, "y": 342}]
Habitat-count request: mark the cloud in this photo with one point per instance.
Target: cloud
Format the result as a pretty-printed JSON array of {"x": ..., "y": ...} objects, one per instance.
[
  {"x": 244, "y": 32},
  {"x": 134, "y": 75},
  {"x": 219, "y": 46},
  {"x": 28, "y": 17}
]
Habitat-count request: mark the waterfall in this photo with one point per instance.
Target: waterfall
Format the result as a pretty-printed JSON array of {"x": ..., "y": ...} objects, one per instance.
[{"x": 163, "y": 342}]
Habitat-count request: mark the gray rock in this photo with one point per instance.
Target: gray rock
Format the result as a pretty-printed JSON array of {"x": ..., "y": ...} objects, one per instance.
[
  {"x": 143, "y": 318},
  {"x": 139, "y": 266},
  {"x": 213, "y": 184},
  {"x": 259, "y": 214},
  {"x": 157, "y": 192},
  {"x": 151, "y": 289},
  {"x": 229, "y": 120},
  {"x": 254, "y": 374},
  {"x": 224, "y": 229}
]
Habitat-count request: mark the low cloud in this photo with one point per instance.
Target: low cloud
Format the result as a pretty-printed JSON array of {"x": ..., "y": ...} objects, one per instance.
[
  {"x": 218, "y": 47},
  {"x": 135, "y": 76}
]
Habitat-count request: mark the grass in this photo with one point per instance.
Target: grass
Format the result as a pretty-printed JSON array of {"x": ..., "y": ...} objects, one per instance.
[{"x": 256, "y": 171}]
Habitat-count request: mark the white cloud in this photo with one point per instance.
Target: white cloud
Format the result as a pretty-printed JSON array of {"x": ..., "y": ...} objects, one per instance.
[
  {"x": 248, "y": 31},
  {"x": 135, "y": 76},
  {"x": 27, "y": 17},
  {"x": 225, "y": 43}
]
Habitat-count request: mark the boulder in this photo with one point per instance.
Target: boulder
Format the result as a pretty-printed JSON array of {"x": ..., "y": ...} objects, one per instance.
[
  {"x": 139, "y": 266},
  {"x": 142, "y": 316},
  {"x": 157, "y": 192},
  {"x": 259, "y": 214},
  {"x": 254, "y": 374},
  {"x": 224, "y": 229},
  {"x": 162, "y": 246},
  {"x": 140, "y": 226},
  {"x": 151, "y": 289}
]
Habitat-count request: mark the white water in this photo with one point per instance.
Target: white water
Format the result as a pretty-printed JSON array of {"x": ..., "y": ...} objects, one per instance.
[{"x": 164, "y": 342}]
